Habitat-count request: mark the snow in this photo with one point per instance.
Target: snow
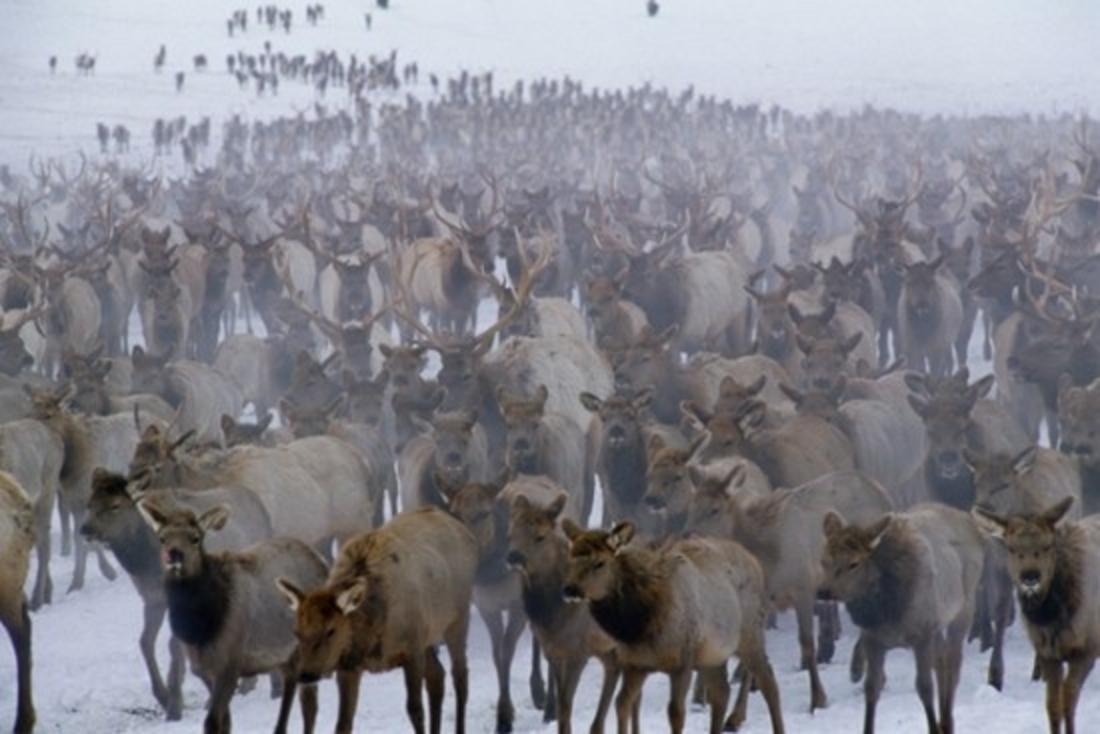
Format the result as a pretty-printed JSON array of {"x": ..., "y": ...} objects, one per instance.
[{"x": 983, "y": 56}]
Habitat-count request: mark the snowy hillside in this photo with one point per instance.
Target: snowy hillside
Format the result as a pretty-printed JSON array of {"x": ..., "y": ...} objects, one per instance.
[{"x": 982, "y": 56}]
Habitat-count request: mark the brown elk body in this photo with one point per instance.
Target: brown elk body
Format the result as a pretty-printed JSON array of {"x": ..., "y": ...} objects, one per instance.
[
  {"x": 373, "y": 603},
  {"x": 113, "y": 518},
  {"x": 909, "y": 580},
  {"x": 225, "y": 608},
  {"x": 1055, "y": 568},
  {"x": 692, "y": 604},
  {"x": 17, "y": 538},
  {"x": 782, "y": 530}
]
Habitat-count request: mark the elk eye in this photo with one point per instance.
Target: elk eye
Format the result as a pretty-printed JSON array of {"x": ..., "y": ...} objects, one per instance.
[
  {"x": 598, "y": 565},
  {"x": 330, "y": 632},
  {"x": 852, "y": 566},
  {"x": 540, "y": 538}
]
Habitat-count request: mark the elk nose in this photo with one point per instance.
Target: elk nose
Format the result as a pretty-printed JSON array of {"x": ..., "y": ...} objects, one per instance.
[
  {"x": 515, "y": 559},
  {"x": 949, "y": 458},
  {"x": 616, "y": 432},
  {"x": 1029, "y": 578},
  {"x": 453, "y": 459},
  {"x": 401, "y": 381},
  {"x": 653, "y": 502},
  {"x": 522, "y": 446},
  {"x": 571, "y": 592},
  {"x": 822, "y": 383},
  {"x": 1066, "y": 448}
]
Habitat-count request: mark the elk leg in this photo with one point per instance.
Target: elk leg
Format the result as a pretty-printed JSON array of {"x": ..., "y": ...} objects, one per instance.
[
  {"x": 65, "y": 520},
  {"x": 17, "y": 621},
  {"x": 804, "y": 613},
  {"x": 741, "y": 703},
  {"x": 872, "y": 685},
  {"x": 43, "y": 584},
  {"x": 717, "y": 687},
  {"x": 221, "y": 692},
  {"x": 607, "y": 690},
  {"x": 1002, "y": 619},
  {"x": 494, "y": 622},
  {"x": 1079, "y": 668},
  {"x": 829, "y": 619},
  {"x": 289, "y": 673},
  {"x": 951, "y": 662},
  {"x": 925, "y": 653},
  {"x": 435, "y": 684},
  {"x": 153, "y": 618},
  {"x": 698, "y": 691},
  {"x": 307, "y": 701},
  {"x": 631, "y": 689},
  {"x": 754, "y": 656},
  {"x": 104, "y": 563},
  {"x": 538, "y": 687},
  {"x": 176, "y": 662},
  {"x": 679, "y": 685},
  {"x": 347, "y": 682},
  {"x": 1052, "y": 674},
  {"x": 80, "y": 549},
  {"x": 455, "y": 639},
  {"x": 517, "y": 621},
  {"x": 414, "y": 699},
  {"x": 568, "y": 675},
  {"x": 855, "y": 667}
]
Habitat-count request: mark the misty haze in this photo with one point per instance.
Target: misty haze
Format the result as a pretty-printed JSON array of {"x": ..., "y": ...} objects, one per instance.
[{"x": 549, "y": 365}]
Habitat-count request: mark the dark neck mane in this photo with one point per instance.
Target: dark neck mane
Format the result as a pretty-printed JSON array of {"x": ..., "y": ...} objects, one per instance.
[
  {"x": 886, "y": 598},
  {"x": 632, "y": 611},
  {"x": 198, "y": 606},
  {"x": 1063, "y": 596}
]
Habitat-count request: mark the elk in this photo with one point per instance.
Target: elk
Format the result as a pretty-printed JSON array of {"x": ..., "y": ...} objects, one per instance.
[
  {"x": 908, "y": 580},
  {"x": 34, "y": 455},
  {"x": 567, "y": 634},
  {"x": 624, "y": 429},
  {"x": 689, "y": 605},
  {"x": 450, "y": 451},
  {"x": 672, "y": 478},
  {"x": 1025, "y": 482},
  {"x": 616, "y": 322},
  {"x": 17, "y": 538},
  {"x": 113, "y": 518},
  {"x": 225, "y": 610},
  {"x": 781, "y": 530},
  {"x": 541, "y": 442},
  {"x": 313, "y": 489},
  {"x": 929, "y": 317},
  {"x": 200, "y": 394},
  {"x": 799, "y": 451},
  {"x": 484, "y": 510},
  {"x": 370, "y": 615},
  {"x": 888, "y": 443},
  {"x": 1053, "y": 562}
]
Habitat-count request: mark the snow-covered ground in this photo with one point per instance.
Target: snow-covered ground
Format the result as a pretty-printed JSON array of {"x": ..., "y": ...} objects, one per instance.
[{"x": 934, "y": 56}]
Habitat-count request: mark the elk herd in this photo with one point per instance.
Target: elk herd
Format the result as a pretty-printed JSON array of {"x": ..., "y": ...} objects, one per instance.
[{"x": 634, "y": 370}]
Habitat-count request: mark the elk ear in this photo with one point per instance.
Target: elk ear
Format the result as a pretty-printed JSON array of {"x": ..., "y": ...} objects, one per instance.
[
  {"x": 386, "y": 349},
  {"x": 694, "y": 412},
  {"x": 794, "y": 395},
  {"x": 795, "y": 314},
  {"x": 756, "y": 386},
  {"x": 735, "y": 478},
  {"x": 292, "y": 593},
  {"x": 989, "y": 523},
  {"x": 754, "y": 414},
  {"x": 264, "y": 423},
  {"x": 832, "y": 524},
  {"x": 696, "y": 445},
  {"x": 1057, "y": 513},
  {"x": 590, "y": 402},
  {"x": 805, "y": 344},
  {"x": 153, "y": 517},
  {"x": 556, "y": 507},
  {"x": 916, "y": 382},
  {"x": 919, "y": 406},
  {"x": 982, "y": 387},
  {"x": 1025, "y": 460},
  {"x": 829, "y": 312},
  {"x": 228, "y": 424},
  {"x": 620, "y": 536},
  {"x": 214, "y": 519},
  {"x": 571, "y": 529},
  {"x": 851, "y": 343},
  {"x": 421, "y": 425},
  {"x": 521, "y": 503},
  {"x": 643, "y": 398},
  {"x": 542, "y": 394},
  {"x": 878, "y": 530},
  {"x": 351, "y": 598}
]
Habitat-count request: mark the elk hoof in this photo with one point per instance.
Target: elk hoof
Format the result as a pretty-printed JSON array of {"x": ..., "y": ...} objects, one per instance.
[
  {"x": 76, "y": 585},
  {"x": 538, "y": 694},
  {"x": 818, "y": 701},
  {"x": 505, "y": 716},
  {"x": 108, "y": 571},
  {"x": 735, "y": 720}
]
